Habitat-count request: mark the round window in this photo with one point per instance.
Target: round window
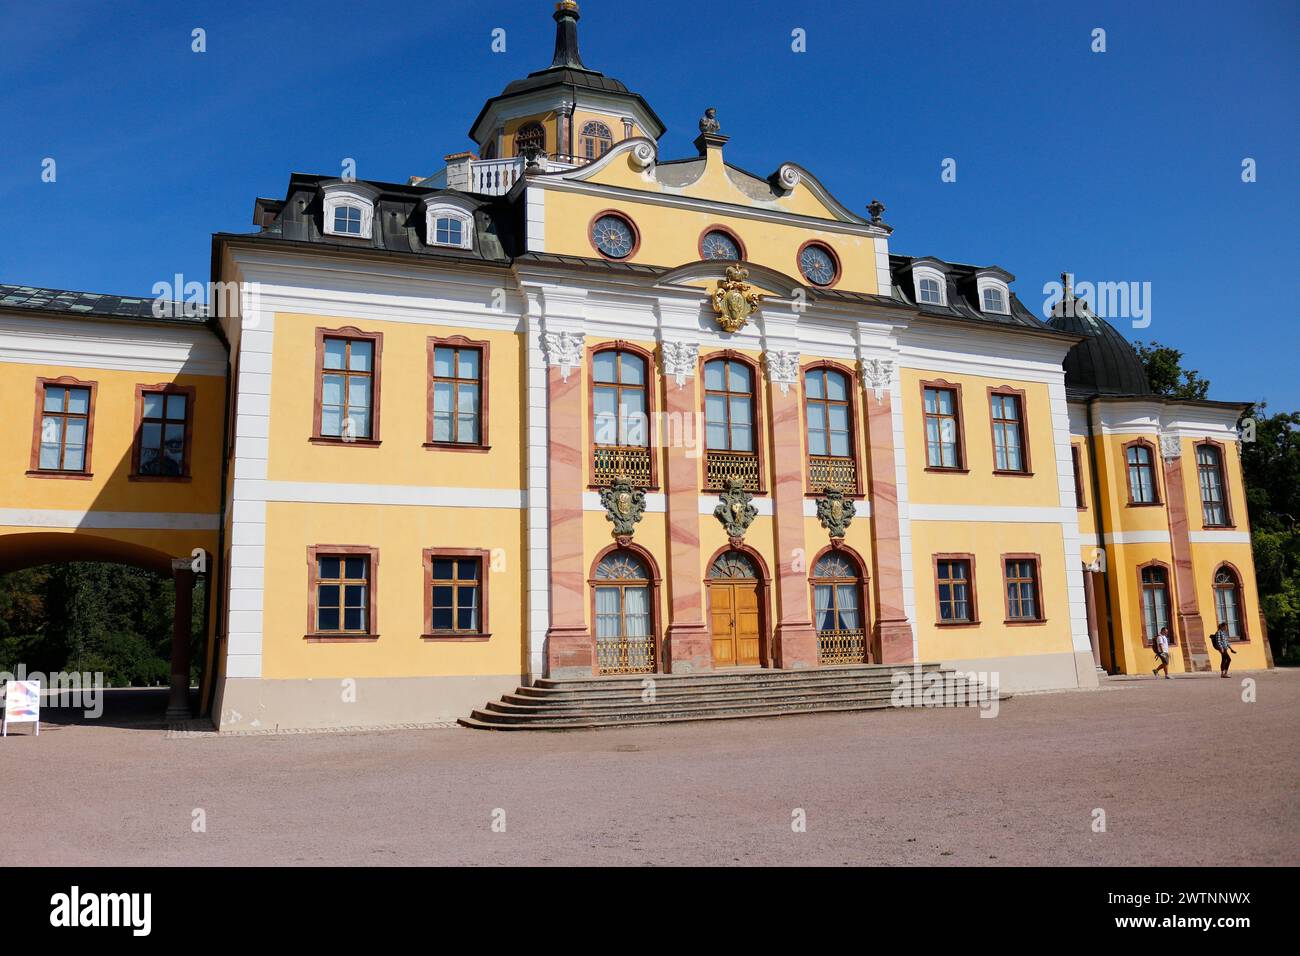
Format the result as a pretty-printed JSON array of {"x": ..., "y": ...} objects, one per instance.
[
  {"x": 613, "y": 236},
  {"x": 817, "y": 264},
  {"x": 719, "y": 245}
]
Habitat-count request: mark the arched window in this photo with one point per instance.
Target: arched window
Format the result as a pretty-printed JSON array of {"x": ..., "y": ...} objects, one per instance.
[
  {"x": 1155, "y": 600},
  {"x": 620, "y": 431},
  {"x": 1214, "y": 496},
  {"x": 1227, "y": 602},
  {"x": 1141, "y": 474},
  {"x": 530, "y": 137},
  {"x": 929, "y": 290},
  {"x": 837, "y": 598},
  {"x": 624, "y": 615},
  {"x": 733, "y": 564},
  {"x": 829, "y": 409},
  {"x": 595, "y": 140},
  {"x": 730, "y": 434}
]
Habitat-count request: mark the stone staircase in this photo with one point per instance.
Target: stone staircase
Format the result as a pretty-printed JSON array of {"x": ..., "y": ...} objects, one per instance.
[{"x": 590, "y": 703}]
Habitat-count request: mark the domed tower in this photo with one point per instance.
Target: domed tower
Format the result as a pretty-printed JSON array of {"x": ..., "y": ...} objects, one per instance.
[
  {"x": 568, "y": 112},
  {"x": 1104, "y": 363}
]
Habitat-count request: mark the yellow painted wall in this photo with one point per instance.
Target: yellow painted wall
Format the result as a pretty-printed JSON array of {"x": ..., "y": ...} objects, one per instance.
[
  {"x": 979, "y": 486},
  {"x": 401, "y": 534},
  {"x": 670, "y": 236},
  {"x": 988, "y": 541},
  {"x": 110, "y": 488},
  {"x": 400, "y": 458}
]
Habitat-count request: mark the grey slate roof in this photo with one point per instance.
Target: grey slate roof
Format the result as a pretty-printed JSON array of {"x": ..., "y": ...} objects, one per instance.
[
  {"x": 962, "y": 295},
  {"x": 95, "y": 304},
  {"x": 398, "y": 223}
]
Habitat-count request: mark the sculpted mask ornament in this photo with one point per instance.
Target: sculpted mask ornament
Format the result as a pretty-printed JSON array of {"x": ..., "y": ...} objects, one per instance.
[
  {"x": 624, "y": 506},
  {"x": 679, "y": 360},
  {"x": 563, "y": 349},
  {"x": 736, "y": 512},
  {"x": 782, "y": 368},
  {"x": 734, "y": 300},
  {"x": 835, "y": 512},
  {"x": 877, "y": 375},
  {"x": 1171, "y": 446}
]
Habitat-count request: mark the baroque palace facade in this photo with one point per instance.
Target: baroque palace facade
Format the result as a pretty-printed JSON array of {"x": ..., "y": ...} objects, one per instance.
[{"x": 568, "y": 408}]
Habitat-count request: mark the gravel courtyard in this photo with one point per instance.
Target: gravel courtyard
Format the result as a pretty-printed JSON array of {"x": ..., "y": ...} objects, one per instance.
[{"x": 1185, "y": 771}]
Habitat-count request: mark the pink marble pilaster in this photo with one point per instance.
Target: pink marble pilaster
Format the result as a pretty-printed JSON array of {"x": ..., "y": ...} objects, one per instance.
[
  {"x": 1191, "y": 629},
  {"x": 892, "y": 635},
  {"x": 688, "y": 647},
  {"x": 795, "y": 640},
  {"x": 569, "y": 651}
]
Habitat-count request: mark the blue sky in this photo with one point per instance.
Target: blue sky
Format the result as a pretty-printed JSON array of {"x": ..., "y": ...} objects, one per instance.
[{"x": 1123, "y": 166}]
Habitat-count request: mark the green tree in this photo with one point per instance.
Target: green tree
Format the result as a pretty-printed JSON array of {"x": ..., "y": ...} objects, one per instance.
[{"x": 1165, "y": 372}]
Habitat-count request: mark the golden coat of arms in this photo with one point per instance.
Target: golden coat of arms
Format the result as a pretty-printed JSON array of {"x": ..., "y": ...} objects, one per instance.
[{"x": 734, "y": 301}]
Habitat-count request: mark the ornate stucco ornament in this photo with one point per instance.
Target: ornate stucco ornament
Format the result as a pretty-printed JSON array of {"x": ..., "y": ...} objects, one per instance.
[
  {"x": 782, "y": 368},
  {"x": 679, "y": 360},
  {"x": 736, "y": 512},
  {"x": 1171, "y": 446},
  {"x": 564, "y": 350},
  {"x": 734, "y": 300},
  {"x": 877, "y": 374},
  {"x": 624, "y": 506},
  {"x": 835, "y": 512}
]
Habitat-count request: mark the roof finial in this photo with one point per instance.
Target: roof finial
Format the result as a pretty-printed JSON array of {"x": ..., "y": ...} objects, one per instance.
[
  {"x": 566, "y": 17},
  {"x": 1067, "y": 285}
]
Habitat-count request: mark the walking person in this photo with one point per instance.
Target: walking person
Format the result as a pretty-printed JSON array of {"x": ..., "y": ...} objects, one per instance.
[
  {"x": 1223, "y": 644},
  {"x": 1161, "y": 647}
]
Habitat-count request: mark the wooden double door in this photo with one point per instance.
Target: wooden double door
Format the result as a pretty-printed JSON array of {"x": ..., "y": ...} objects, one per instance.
[{"x": 735, "y": 621}]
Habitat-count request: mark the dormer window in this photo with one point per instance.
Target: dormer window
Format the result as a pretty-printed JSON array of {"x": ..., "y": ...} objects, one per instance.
[
  {"x": 994, "y": 294},
  {"x": 349, "y": 209},
  {"x": 449, "y": 224},
  {"x": 929, "y": 284},
  {"x": 347, "y": 220}
]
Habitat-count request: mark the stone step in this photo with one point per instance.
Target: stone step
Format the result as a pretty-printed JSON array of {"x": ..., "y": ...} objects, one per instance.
[
  {"x": 488, "y": 721},
  {"x": 521, "y": 702},
  {"x": 733, "y": 675},
  {"x": 717, "y": 687}
]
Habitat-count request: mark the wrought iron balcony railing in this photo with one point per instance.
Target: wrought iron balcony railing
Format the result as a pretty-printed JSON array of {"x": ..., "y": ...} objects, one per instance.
[
  {"x": 721, "y": 466},
  {"x": 842, "y": 646},
  {"x": 625, "y": 655},
  {"x": 610, "y": 461},
  {"x": 827, "y": 471}
]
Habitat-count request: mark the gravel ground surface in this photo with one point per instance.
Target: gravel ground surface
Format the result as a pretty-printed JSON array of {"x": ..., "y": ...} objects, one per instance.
[{"x": 1185, "y": 771}]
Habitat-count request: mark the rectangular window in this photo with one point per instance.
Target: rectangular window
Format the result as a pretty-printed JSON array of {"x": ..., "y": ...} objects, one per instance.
[
  {"x": 455, "y": 593},
  {"x": 342, "y": 592},
  {"x": 347, "y": 386},
  {"x": 1214, "y": 502},
  {"x": 955, "y": 589},
  {"x": 942, "y": 427},
  {"x": 1141, "y": 474},
  {"x": 162, "y": 432},
  {"x": 1024, "y": 597},
  {"x": 1080, "y": 501},
  {"x": 457, "y": 393},
  {"x": 1008, "y": 432},
  {"x": 64, "y": 426},
  {"x": 1155, "y": 601}
]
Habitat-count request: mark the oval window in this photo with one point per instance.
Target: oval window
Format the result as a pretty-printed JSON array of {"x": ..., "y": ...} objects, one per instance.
[
  {"x": 613, "y": 236},
  {"x": 817, "y": 264}
]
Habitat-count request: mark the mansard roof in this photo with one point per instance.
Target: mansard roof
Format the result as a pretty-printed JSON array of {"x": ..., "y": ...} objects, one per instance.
[
  {"x": 398, "y": 220},
  {"x": 962, "y": 294}
]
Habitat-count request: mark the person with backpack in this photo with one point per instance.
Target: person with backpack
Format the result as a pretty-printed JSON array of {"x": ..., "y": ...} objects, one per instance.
[{"x": 1223, "y": 644}]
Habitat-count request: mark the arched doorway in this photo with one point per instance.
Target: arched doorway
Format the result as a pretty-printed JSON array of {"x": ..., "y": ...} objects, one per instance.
[
  {"x": 115, "y": 631},
  {"x": 840, "y": 612},
  {"x": 623, "y": 595},
  {"x": 735, "y": 611}
]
